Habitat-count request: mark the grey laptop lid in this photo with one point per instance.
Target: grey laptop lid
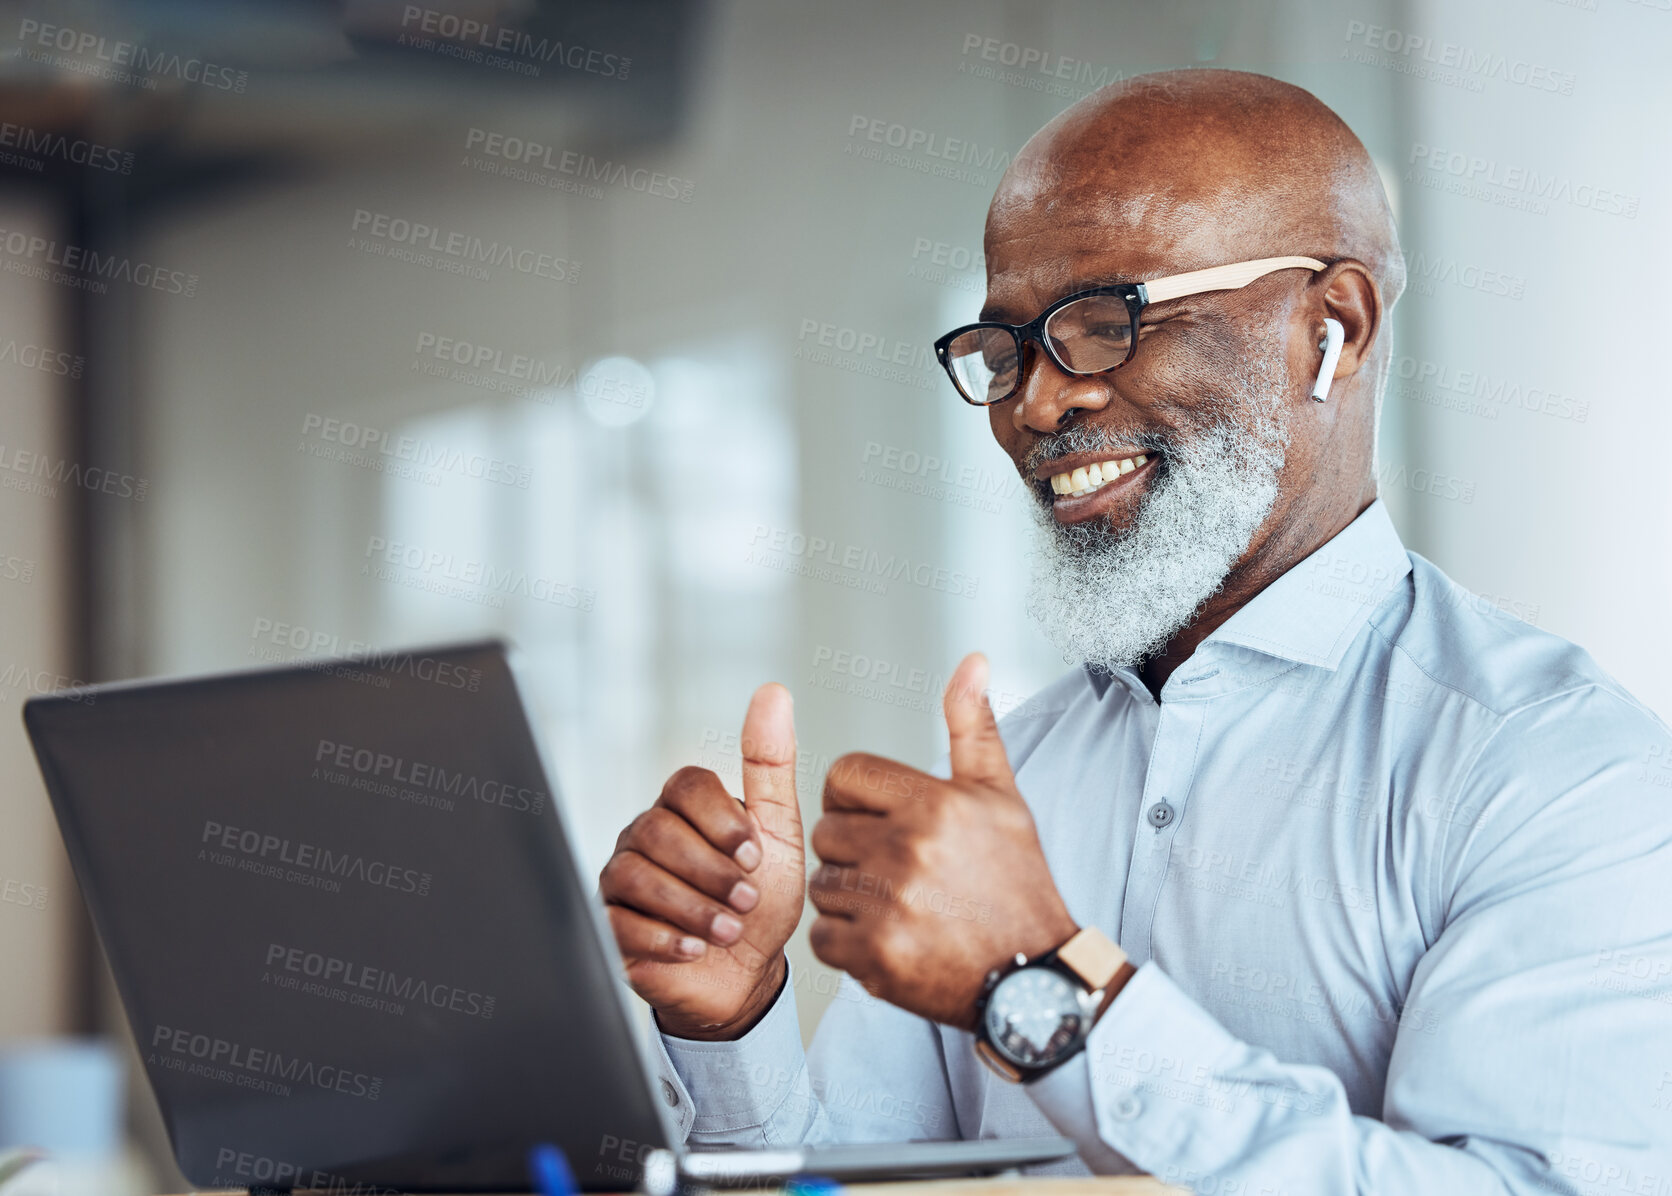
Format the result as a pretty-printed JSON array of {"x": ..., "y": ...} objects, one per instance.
[{"x": 344, "y": 919}]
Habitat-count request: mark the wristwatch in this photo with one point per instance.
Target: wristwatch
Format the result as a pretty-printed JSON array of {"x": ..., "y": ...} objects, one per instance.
[{"x": 1034, "y": 1014}]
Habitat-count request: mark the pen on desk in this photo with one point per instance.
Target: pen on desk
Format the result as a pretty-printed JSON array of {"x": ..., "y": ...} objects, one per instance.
[{"x": 550, "y": 1172}]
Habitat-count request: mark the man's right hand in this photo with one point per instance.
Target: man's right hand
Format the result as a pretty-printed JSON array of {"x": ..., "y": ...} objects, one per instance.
[{"x": 703, "y": 892}]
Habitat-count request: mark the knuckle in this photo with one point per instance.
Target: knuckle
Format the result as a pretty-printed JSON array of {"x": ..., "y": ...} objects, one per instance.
[
  {"x": 922, "y": 853},
  {"x": 822, "y": 838},
  {"x": 845, "y": 769},
  {"x": 615, "y": 871},
  {"x": 656, "y": 828},
  {"x": 688, "y": 780},
  {"x": 823, "y": 878},
  {"x": 634, "y": 830},
  {"x": 889, "y": 948}
]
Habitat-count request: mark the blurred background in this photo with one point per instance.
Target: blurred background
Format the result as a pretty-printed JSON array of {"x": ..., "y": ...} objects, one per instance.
[{"x": 605, "y": 326}]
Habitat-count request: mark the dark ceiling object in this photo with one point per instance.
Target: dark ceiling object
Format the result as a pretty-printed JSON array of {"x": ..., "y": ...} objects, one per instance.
[{"x": 217, "y": 91}]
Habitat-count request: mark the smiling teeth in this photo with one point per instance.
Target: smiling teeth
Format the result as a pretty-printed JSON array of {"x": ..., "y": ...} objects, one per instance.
[{"x": 1092, "y": 477}]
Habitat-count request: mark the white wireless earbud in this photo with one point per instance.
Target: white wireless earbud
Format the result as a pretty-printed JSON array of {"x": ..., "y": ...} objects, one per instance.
[{"x": 1334, "y": 334}]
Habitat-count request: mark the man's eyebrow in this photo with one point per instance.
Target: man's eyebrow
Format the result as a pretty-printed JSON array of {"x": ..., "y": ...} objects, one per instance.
[{"x": 994, "y": 312}]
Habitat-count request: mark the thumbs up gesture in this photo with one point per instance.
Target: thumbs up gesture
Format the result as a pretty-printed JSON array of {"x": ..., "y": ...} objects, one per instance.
[
  {"x": 924, "y": 884},
  {"x": 702, "y": 891}
]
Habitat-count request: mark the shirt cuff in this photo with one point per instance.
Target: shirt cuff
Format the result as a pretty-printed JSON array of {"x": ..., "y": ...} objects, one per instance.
[
  {"x": 724, "y": 1087},
  {"x": 1140, "y": 1090}
]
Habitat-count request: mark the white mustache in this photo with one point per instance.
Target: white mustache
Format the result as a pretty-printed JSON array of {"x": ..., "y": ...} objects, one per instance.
[{"x": 1114, "y": 597}]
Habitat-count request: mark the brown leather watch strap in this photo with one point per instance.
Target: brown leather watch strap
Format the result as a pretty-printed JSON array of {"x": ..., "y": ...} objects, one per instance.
[{"x": 1093, "y": 957}]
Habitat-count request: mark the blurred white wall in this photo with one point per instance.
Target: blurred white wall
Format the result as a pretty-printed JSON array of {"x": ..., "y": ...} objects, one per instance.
[{"x": 1539, "y": 312}]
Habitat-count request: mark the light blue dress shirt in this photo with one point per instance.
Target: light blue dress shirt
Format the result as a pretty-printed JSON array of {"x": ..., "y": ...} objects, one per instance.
[{"x": 1396, "y": 869}]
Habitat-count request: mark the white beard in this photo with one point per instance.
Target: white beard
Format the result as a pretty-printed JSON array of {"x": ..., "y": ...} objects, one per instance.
[{"x": 1113, "y": 599}]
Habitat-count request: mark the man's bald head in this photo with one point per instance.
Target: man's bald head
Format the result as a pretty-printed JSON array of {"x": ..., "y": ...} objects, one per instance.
[{"x": 1205, "y": 158}]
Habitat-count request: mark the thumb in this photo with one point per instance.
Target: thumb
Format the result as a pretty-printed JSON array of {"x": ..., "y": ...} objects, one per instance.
[
  {"x": 768, "y": 750},
  {"x": 977, "y": 751}
]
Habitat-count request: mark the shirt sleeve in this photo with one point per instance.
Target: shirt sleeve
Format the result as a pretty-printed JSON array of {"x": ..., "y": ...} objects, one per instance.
[
  {"x": 873, "y": 1074},
  {"x": 1534, "y": 1048}
]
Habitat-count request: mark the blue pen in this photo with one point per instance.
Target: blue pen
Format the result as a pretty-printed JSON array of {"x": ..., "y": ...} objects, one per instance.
[
  {"x": 811, "y": 1185},
  {"x": 550, "y": 1172}
]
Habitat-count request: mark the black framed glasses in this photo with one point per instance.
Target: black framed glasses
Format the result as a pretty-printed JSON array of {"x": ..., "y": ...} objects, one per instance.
[{"x": 1088, "y": 332}]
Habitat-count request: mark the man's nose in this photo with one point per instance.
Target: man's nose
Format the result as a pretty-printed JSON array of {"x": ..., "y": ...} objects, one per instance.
[{"x": 1050, "y": 395}]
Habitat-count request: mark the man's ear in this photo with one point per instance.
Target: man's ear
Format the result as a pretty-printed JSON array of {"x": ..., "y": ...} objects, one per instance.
[{"x": 1351, "y": 296}]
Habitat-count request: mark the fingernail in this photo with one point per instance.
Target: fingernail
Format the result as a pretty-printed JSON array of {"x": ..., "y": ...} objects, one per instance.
[
  {"x": 743, "y": 897},
  {"x": 725, "y": 928},
  {"x": 690, "y": 944},
  {"x": 749, "y": 855}
]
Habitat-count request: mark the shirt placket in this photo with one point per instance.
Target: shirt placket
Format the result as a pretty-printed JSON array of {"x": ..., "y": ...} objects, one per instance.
[{"x": 1172, "y": 765}]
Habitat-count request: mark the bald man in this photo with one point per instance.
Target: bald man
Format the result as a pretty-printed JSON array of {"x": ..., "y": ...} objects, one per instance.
[{"x": 1319, "y": 875}]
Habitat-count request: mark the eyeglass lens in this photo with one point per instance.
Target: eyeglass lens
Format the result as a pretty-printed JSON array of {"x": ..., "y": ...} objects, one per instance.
[{"x": 1087, "y": 336}]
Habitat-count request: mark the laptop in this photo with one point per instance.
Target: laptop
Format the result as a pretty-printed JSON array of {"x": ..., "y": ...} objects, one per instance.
[{"x": 354, "y": 944}]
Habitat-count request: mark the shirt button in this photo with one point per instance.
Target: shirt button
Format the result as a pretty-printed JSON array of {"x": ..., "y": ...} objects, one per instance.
[
  {"x": 670, "y": 1094},
  {"x": 1160, "y": 814},
  {"x": 1126, "y": 1108}
]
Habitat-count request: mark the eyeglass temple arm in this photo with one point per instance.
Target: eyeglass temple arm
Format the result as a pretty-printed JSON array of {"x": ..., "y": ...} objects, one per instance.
[{"x": 1220, "y": 278}]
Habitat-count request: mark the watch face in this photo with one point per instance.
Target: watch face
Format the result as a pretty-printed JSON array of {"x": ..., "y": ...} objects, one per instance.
[{"x": 1033, "y": 1016}]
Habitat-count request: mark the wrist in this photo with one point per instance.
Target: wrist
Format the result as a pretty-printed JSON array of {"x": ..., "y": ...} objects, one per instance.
[{"x": 760, "y": 1000}]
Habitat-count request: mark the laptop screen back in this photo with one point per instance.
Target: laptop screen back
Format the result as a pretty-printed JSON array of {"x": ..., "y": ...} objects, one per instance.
[{"x": 347, "y": 927}]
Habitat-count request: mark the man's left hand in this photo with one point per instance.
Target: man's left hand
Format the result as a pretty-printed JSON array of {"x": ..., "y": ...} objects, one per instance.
[{"x": 927, "y": 884}]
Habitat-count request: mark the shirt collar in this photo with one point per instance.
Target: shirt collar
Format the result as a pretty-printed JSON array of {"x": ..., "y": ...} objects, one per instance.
[{"x": 1312, "y": 613}]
